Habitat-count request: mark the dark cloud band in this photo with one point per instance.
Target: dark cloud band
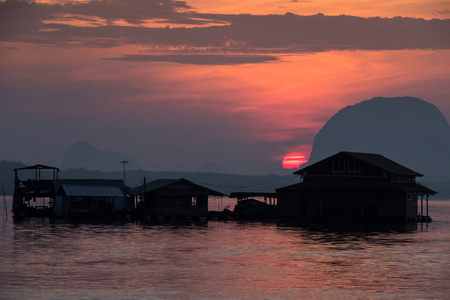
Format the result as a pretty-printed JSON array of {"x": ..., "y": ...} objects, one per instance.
[
  {"x": 289, "y": 33},
  {"x": 209, "y": 59}
]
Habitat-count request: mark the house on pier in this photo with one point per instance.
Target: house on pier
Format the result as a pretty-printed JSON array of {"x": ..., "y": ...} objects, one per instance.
[
  {"x": 172, "y": 198},
  {"x": 355, "y": 186},
  {"x": 91, "y": 198}
]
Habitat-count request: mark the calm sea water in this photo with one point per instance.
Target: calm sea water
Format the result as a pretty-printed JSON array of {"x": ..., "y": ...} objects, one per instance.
[{"x": 224, "y": 260}]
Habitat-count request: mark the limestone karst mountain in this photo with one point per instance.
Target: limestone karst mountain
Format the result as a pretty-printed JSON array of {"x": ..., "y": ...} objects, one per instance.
[
  {"x": 85, "y": 155},
  {"x": 408, "y": 130}
]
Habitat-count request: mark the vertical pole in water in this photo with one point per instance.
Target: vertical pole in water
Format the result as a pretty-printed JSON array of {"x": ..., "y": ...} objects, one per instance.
[
  {"x": 145, "y": 201},
  {"x": 4, "y": 201},
  {"x": 427, "y": 205},
  {"x": 421, "y": 205}
]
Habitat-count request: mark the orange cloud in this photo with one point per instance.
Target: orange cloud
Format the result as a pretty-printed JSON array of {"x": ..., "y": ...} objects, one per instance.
[{"x": 384, "y": 8}]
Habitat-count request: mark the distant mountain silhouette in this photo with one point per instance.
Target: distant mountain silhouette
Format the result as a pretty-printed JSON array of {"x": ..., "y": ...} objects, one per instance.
[
  {"x": 225, "y": 183},
  {"x": 405, "y": 129},
  {"x": 210, "y": 167},
  {"x": 84, "y": 155}
]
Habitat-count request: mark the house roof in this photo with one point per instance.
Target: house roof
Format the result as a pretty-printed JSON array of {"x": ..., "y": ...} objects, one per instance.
[
  {"x": 152, "y": 185},
  {"x": 38, "y": 166},
  {"x": 165, "y": 183},
  {"x": 358, "y": 187},
  {"x": 376, "y": 160},
  {"x": 91, "y": 191},
  {"x": 57, "y": 183}
]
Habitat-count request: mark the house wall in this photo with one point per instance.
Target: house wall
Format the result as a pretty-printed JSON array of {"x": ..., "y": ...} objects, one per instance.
[
  {"x": 288, "y": 204},
  {"x": 316, "y": 205},
  {"x": 89, "y": 206},
  {"x": 392, "y": 205},
  {"x": 61, "y": 206},
  {"x": 176, "y": 206},
  {"x": 119, "y": 203},
  {"x": 183, "y": 206},
  {"x": 411, "y": 205},
  {"x": 345, "y": 205}
]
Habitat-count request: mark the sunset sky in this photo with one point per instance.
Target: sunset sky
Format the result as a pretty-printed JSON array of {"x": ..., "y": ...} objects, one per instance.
[{"x": 178, "y": 84}]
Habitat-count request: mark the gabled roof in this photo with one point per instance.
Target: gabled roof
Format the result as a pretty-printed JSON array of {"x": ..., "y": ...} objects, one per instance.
[
  {"x": 91, "y": 191},
  {"x": 376, "y": 160},
  {"x": 38, "y": 166},
  {"x": 152, "y": 185},
  {"x": 87, "y": 183},
  {"x": 163, "y": 183}
]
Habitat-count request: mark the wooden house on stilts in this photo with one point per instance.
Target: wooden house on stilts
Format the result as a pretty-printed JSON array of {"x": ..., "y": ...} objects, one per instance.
[
  {"x": 91, "y": 198},
  {"x": 172, "y": 198},
  {"x": 43, "y": 194},
  {"x": 355, "y": 186}
]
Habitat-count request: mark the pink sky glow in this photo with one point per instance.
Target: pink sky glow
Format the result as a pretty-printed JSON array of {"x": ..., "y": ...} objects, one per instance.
[{"x": 175, "y": 99}]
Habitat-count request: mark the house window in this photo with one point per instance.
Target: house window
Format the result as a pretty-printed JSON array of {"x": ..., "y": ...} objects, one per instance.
[
  {"x": 354, "y": 166},
  {"x": 338, "y": 166},
  {"x": 194, "y": 201}
]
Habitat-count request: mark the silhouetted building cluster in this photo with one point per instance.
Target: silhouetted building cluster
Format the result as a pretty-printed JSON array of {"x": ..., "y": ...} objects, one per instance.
[{"x": 347, "y": 186}]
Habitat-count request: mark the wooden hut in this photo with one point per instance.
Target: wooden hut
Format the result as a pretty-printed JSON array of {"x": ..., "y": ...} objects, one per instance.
[
  {"x": 172, "y": 198},
  {"x": 349, "y": 186},
  {"x": 90, "y": 198}
]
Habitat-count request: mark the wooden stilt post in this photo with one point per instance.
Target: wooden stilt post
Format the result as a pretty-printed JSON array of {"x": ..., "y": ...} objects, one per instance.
[
  {"x": 421, "y": 205},
  {"x": 145, "y": 201},
  {"x": 4, "y": 202},
  {"x": 427, "y": 205}
]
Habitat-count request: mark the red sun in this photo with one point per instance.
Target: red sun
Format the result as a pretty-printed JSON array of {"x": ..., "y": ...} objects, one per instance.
[{"x": 293, "y": 160}]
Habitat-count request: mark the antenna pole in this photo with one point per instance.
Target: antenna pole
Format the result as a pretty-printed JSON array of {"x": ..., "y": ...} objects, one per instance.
[{"x": 124, "y": 176}]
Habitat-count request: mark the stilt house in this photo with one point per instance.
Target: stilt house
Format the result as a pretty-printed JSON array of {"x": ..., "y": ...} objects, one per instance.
[
  {"x": 351, "y": 185},
  {"x": 91, "y": 198},
  {"x": 43, "y": 194},
  {"x": 163, "y": 198}
]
